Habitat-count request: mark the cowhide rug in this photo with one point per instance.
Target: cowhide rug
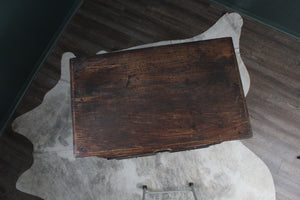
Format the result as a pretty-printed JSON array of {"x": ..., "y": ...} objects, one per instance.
[{"x": 227, "y": 171}]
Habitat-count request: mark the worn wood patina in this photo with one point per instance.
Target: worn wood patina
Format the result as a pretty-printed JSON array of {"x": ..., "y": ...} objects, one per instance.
[{"x": 167, "y": 98}]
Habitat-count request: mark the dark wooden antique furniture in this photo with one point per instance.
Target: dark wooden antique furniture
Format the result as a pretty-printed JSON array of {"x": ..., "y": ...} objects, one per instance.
[{"x": 167, "y": 98}]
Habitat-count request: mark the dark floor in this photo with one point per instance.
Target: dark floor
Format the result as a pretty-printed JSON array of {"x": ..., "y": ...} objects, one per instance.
[{"x": 272, "y": 59}]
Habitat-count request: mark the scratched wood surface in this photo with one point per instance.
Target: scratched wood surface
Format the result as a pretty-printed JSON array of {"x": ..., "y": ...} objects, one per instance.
[
  {"x": 272, "y": 59},
  {"x": 136, "y": 102}
]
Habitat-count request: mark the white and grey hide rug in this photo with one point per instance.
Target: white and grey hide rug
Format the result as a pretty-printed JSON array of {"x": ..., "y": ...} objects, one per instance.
[{"x": 226, "y": 171}]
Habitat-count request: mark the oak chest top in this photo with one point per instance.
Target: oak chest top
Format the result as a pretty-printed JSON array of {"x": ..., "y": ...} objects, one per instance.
[{"x": 167, "y": 98}]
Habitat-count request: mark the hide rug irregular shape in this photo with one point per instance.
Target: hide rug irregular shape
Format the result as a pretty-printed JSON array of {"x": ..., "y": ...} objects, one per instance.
[{"x": 226, "y": 171}]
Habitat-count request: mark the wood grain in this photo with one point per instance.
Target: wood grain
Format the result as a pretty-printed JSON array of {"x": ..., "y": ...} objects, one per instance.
[
  {"x": 155, "y": 99},
  {"x": 271, "y": 57}
]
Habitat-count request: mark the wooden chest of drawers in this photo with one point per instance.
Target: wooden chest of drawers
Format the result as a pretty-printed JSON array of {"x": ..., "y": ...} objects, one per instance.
[{"x": 167, "y": 98}]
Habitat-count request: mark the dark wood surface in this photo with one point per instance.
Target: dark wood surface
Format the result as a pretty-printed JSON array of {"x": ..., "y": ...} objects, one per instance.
[
  {"x": 15, "y": 159},
  {"x": 272, "y": 60},
  {"x": 171, "y": 97}
]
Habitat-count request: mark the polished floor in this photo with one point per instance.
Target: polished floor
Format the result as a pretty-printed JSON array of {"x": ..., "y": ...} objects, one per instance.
[{"x": 271, "y": 57}]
